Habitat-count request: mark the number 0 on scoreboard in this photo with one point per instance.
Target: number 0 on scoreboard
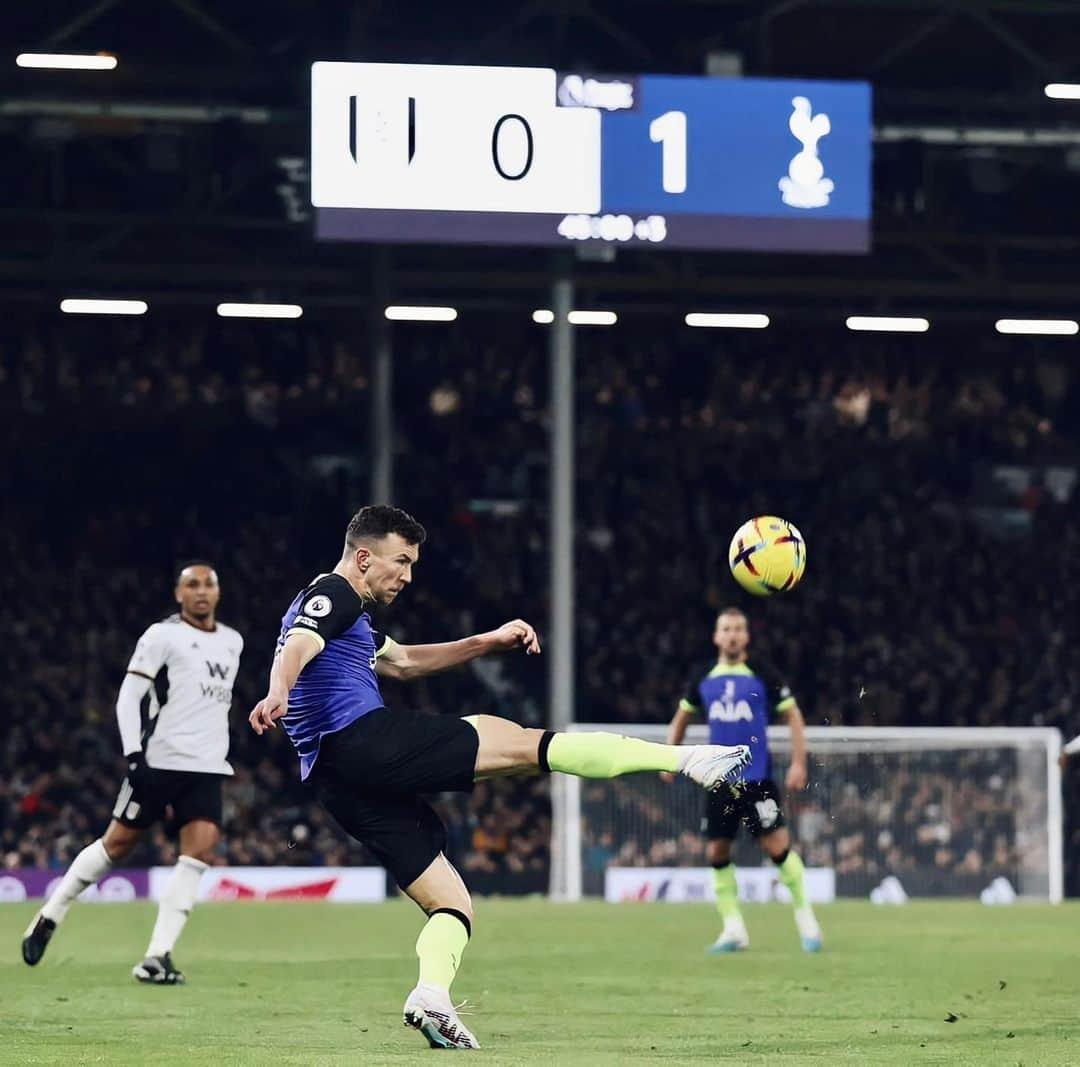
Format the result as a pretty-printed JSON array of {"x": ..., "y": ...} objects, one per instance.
[{"x": 448, "y": 138}]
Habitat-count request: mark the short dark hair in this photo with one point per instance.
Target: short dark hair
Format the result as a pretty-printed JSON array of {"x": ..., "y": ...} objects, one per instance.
[
  {"x": 731, "y": 609},
  {"x": 193, "y": 563},
  {"x": 378, "y": 520}
]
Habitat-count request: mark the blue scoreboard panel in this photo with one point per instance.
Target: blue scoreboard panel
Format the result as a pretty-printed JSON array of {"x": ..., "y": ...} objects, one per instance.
[{"x": 520, "y": 156}]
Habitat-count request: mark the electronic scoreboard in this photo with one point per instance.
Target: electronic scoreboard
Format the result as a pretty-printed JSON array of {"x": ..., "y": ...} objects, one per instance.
[{"x": 523, "y": 156}]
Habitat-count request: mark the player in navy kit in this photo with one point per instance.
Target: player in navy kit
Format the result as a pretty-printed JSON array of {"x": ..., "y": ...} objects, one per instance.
[
  {"x": 738, "y": 701},
  {"x": 369, "y": 765}
]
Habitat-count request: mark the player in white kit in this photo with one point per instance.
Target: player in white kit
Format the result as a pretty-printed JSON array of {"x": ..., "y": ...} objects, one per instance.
[{"x": 173, "y": 713}]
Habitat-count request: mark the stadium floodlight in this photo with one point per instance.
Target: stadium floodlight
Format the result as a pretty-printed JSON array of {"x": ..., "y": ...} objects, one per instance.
[
  {"x": 260, "y": 311},
  {"x": 545, "y": 317},
  {"x": 728, "y": 321},
  {"x": 592, "y": 318},
  {"x": 1061, "y": 327},
  {"x": 103, "y": 307},
  {"x": 1062, "y": 91},
  {"x": 58, "y": 61},
  {"x": 887, "y": 324},
  {"x": 404, "y": 313}
]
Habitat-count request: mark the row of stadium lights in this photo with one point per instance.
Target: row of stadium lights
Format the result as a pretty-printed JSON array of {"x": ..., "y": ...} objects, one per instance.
[
  {"x": 544, "y": 316},
  {"x": 107, "y": 61},
  {"x": 881, "y": 324}
]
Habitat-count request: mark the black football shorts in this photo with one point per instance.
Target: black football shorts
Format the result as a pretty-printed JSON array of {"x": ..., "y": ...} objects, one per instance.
[
  {"x": 753, "y": 804},
  {"x": 190, "y": 795},
  {"x": 372, "y": 774}
]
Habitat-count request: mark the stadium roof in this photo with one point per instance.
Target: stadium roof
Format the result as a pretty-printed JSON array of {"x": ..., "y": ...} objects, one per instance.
[{"x": 178, "y": 170}]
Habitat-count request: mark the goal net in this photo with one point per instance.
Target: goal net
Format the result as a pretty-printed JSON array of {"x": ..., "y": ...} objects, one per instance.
[{"x": 945, "y": 812}]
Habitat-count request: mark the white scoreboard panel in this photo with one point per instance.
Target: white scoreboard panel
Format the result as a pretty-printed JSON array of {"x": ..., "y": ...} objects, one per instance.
[{"x": 447, "y": 138}]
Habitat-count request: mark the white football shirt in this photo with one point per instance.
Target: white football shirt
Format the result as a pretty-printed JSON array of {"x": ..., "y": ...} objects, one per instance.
[{"x": 186, "y": 712}]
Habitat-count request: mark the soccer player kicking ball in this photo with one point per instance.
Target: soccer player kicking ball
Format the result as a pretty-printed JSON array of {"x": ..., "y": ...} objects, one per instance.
[
  {"x": 370, "y": 766},
  {"x": 737, "y": 700},
  {"x": 182, "y": 672}
]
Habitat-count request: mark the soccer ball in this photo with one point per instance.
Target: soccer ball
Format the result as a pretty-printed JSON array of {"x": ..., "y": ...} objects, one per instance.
[{"x": 767, "y": 555}]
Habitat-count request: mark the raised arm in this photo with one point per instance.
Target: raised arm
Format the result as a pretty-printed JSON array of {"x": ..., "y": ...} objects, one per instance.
[
  {"x": 293, "y": 656},
  {"x": 406, "y": 662}
]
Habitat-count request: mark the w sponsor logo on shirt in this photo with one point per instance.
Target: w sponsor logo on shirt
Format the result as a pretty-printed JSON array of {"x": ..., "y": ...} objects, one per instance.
[{"x": 221, "y": 694}]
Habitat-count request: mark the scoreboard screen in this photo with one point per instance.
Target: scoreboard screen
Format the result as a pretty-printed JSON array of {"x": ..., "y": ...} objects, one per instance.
[{"x": 523, "y": 156}]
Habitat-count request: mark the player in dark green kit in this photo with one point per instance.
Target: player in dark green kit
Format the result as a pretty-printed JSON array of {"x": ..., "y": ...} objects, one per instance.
[{"x": 738, "y": 701}]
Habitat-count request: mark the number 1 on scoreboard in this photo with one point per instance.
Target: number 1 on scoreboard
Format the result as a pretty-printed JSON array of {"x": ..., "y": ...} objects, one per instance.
[{"x": 669, "y": 130}]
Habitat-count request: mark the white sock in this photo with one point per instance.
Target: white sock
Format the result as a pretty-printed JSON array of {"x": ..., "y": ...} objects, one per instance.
[
  {"x": 88, "y": 867},
  {"x": 176, "y": 904}
]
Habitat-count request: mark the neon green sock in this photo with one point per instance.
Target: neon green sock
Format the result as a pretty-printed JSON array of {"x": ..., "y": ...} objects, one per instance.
[
  {"x": 439, "y": 947},
  {"x": 603, "y": 755},
  {"x": 792, "y": 875},
  {"x": 727, "y": 893}
]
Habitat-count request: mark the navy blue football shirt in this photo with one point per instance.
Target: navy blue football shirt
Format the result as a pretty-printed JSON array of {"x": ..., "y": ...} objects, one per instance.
[
  {"x": 339, "y": 685},
  {"x": 738, "y": 701}
]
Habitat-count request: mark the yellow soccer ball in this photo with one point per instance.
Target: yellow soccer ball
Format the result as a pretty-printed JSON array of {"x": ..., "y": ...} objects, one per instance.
[{"x": 767, "y": 555}]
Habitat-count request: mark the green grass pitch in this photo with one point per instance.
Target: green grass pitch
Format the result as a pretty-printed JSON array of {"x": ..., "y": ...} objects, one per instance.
[{"x": 312, "y": 984}]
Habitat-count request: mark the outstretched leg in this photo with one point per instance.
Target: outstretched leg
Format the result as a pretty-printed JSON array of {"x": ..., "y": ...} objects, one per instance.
[{"x": 506, "y": 748}]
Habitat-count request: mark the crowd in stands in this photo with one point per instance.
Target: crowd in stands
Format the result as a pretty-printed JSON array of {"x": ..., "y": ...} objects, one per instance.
[{"x": 932, "y": 596}]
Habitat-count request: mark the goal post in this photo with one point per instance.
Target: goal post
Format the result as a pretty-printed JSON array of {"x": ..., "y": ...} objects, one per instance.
[{"x": 947, "y": 811}]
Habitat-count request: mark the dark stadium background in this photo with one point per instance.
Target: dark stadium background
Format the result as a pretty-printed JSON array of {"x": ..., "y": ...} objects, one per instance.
[{"x": 935, "y": 585}]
